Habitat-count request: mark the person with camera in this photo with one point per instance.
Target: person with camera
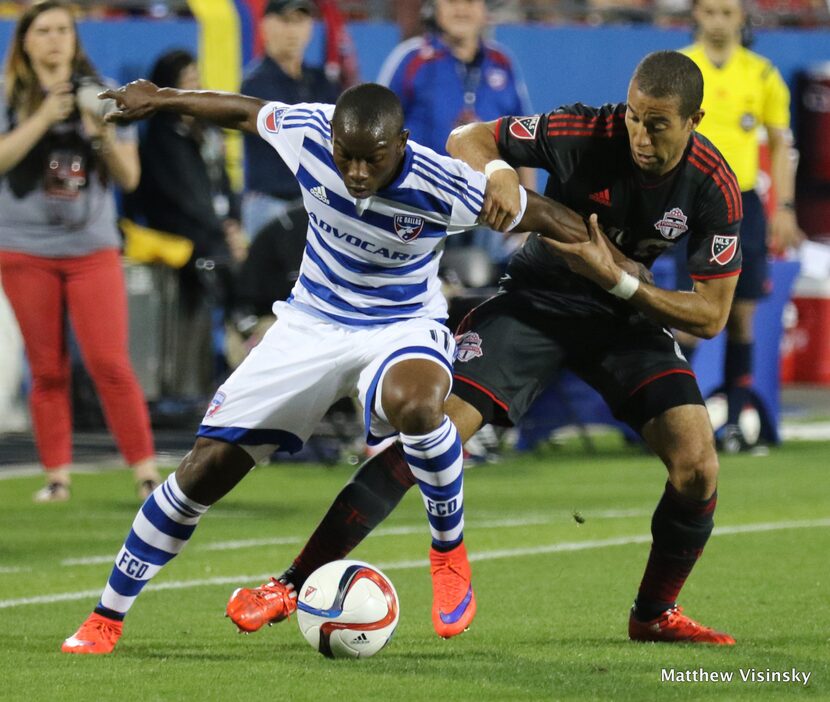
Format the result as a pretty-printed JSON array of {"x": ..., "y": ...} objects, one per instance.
[{"x": 59, "y": 245}]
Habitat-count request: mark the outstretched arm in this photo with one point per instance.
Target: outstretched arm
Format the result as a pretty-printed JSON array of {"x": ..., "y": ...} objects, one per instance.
[
  {"x": 702, "y": 312},
  {"x": 475, "y": 144},
  {"x": 141, "y": 98},
  {"x": 555, "y": 221}
]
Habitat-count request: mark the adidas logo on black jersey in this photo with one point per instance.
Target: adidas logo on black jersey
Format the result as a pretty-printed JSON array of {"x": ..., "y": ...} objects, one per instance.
[
  {"x": 320, "y": 193},
  {"x": 603, "y": 197}
]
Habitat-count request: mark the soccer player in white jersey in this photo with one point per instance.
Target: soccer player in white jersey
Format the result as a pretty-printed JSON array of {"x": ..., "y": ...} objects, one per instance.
[{"x": 364, "y": 318}]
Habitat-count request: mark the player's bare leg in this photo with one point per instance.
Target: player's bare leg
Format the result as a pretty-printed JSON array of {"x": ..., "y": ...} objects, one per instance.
[
  {"x": 160, "y": 531},
  {"x": 412, "y": 399},
  {"x": 681, "y": 525},
  {"x": 372, "y": 493}
]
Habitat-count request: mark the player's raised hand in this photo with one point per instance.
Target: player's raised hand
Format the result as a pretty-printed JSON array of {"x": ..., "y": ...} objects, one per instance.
[
  {"x": 502, "y": 201},
  {"x": 135, "y": 101}
]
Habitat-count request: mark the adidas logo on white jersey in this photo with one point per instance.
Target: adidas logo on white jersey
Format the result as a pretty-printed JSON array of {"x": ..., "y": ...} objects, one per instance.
[{"x": 320, "y": 193}]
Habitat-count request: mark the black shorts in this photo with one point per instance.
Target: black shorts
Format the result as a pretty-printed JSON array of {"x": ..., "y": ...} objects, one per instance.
[
  {"x": 508, "y": 353},
  {"x": 753, "y": 283}
]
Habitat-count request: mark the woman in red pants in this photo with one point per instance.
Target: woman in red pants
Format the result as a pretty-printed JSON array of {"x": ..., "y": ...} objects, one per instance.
[{"x": 59, "y": 246}]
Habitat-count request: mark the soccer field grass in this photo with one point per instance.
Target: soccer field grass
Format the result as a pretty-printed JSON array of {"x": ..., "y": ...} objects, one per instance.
[{"x": 553, "y": 595}]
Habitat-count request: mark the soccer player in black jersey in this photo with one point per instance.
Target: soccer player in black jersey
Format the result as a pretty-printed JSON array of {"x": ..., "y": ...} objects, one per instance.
[{"x": 641, "y": 173}]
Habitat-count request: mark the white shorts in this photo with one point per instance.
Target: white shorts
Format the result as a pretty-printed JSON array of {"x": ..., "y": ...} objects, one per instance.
[{"x": 276, "y": 398}]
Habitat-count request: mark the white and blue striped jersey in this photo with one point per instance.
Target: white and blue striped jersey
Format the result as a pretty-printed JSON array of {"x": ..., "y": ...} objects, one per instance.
[{"x": 371, "y": 261}]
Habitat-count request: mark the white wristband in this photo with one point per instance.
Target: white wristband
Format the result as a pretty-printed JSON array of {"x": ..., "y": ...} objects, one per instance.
[
  {"x": 496, "y": 165},
  {"x": 626, "y": 287}
]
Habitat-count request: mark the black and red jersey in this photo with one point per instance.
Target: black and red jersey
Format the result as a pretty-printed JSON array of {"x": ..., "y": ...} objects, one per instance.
[{"x": 586, "y": 152}]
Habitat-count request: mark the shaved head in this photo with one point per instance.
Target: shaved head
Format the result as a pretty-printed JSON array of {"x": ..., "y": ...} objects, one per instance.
[{"x": 370, "y": 109}]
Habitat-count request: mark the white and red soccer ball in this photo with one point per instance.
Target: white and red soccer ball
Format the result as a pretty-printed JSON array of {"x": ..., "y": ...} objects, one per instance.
[{"x": 347, "y": 609}]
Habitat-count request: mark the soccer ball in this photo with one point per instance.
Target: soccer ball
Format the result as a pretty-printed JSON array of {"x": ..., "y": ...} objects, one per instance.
[
  {"x": 748, "y": 431},
  {"x": 718, "y": 409},
  {"x": 749, "y": 422},
  {"x": 348, "y": 609}
]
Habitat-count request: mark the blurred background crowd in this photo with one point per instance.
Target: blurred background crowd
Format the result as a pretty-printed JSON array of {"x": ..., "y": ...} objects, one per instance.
[{"x": 406, "y": 12}]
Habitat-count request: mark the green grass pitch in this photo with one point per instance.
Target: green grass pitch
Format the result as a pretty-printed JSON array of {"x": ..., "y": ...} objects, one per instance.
[{"x": 553, "y": 594}]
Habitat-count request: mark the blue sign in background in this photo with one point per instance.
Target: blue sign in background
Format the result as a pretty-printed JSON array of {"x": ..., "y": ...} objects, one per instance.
[{"x": 560, "y": 64}]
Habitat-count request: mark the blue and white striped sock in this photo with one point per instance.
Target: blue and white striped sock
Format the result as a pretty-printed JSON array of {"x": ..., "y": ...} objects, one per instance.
[
  {"x": 160, "y": 530},
  {"x": 436, "y": 461}
]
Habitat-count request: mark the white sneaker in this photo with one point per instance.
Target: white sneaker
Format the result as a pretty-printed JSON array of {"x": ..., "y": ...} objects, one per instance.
[{"x": 53, "y": 492}]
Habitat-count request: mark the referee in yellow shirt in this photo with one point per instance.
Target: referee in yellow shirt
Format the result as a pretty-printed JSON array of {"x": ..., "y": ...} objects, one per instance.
[{"x": 743, "y": 91}]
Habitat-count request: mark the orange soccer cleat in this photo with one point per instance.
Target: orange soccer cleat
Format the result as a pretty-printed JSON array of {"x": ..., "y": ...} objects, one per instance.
[
  {"x": 97, "y": 635},
  {"x": 672, "y": 626},
  {"x": 453, "y": 600},
  {"x": 252, "y": 608}
]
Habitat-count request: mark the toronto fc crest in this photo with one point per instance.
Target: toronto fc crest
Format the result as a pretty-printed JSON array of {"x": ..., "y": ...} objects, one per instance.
[
  {"x": 673, "y": 224},
  {"x": 468, "y": 347}
]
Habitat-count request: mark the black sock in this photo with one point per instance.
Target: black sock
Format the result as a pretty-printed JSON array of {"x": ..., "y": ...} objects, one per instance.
[
  {"x": 680, "y": 528},
  {"x": 446, "y": 548},
  {"x": 737, "y": 378},
  {"x": 372, "y": 493},
  {"x": 109, "y": 614}
]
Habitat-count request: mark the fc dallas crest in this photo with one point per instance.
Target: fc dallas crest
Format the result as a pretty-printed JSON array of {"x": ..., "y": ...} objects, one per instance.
[
  {"x": 524, "y": 127},
  {"x": 673, "y": 224},
  {"x": 408, "y": 227},
  {"x": 723, "y": 249},
  {"x": 274, "y": 119}
]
